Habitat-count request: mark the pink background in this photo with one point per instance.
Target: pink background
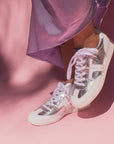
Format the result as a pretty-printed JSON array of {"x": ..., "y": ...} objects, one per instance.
[{"x": 25, "y": 83}]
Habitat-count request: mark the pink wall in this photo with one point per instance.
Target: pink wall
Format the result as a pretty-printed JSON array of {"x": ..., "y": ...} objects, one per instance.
[{"x": 14, "y": 29}]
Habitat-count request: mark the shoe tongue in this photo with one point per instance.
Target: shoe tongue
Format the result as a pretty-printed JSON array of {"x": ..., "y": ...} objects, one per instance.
[
  {"x": 64, "y": 84},
  {"x": 67, "y": 85},
  {"x": 60, "y": 84}
]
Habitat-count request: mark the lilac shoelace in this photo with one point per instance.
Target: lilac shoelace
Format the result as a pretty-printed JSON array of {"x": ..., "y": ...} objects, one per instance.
[
  {"x": 80, "y": 67},
  {"x": 59, "y": 93}
]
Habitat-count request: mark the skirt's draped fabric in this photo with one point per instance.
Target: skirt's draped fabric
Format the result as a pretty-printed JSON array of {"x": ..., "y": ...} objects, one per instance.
[{"x": 53, "y": 22}]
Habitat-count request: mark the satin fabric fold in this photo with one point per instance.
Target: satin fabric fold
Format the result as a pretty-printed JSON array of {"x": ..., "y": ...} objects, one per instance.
[{"x": 53, "y": 22}]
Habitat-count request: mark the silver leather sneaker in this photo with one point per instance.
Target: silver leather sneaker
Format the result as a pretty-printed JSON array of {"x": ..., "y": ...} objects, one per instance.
[
  {"x": 55, "y": 108},
  {"x": 91, "y": 66}
]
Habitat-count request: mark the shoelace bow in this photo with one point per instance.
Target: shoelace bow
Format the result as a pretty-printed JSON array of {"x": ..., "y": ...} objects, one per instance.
[
  {"x": 60, "y": 91},
  {"x": 78, "y": 61}
]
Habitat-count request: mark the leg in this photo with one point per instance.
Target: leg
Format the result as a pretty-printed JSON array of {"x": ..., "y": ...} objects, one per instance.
[{"x": 86, "y": 38}]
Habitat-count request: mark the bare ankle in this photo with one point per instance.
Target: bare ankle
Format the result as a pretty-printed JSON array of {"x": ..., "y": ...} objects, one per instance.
[
  {"x": 91, "y": 41},
  {"x": 87, "y": 38}
]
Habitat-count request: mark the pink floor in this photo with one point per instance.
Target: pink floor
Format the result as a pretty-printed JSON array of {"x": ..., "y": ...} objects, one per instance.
[{"x": 25, "y": 83}]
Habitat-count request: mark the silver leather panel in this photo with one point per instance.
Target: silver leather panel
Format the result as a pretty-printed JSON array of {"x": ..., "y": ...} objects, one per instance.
[{"x": 95, "y": 61}]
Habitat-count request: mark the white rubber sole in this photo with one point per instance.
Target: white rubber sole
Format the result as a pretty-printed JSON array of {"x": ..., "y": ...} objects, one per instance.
[
  {"x": 45, "y": 120},
  {"x": 90, "y": 98}
]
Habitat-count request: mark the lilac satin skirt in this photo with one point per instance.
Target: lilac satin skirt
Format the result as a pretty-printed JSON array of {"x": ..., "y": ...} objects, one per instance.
[{"x": 53, "y": 22}]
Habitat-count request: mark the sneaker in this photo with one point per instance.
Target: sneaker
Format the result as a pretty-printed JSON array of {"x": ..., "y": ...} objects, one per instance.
[
  {"x": 91, "y": 65},
  {"x": 55, "y": 108}
]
